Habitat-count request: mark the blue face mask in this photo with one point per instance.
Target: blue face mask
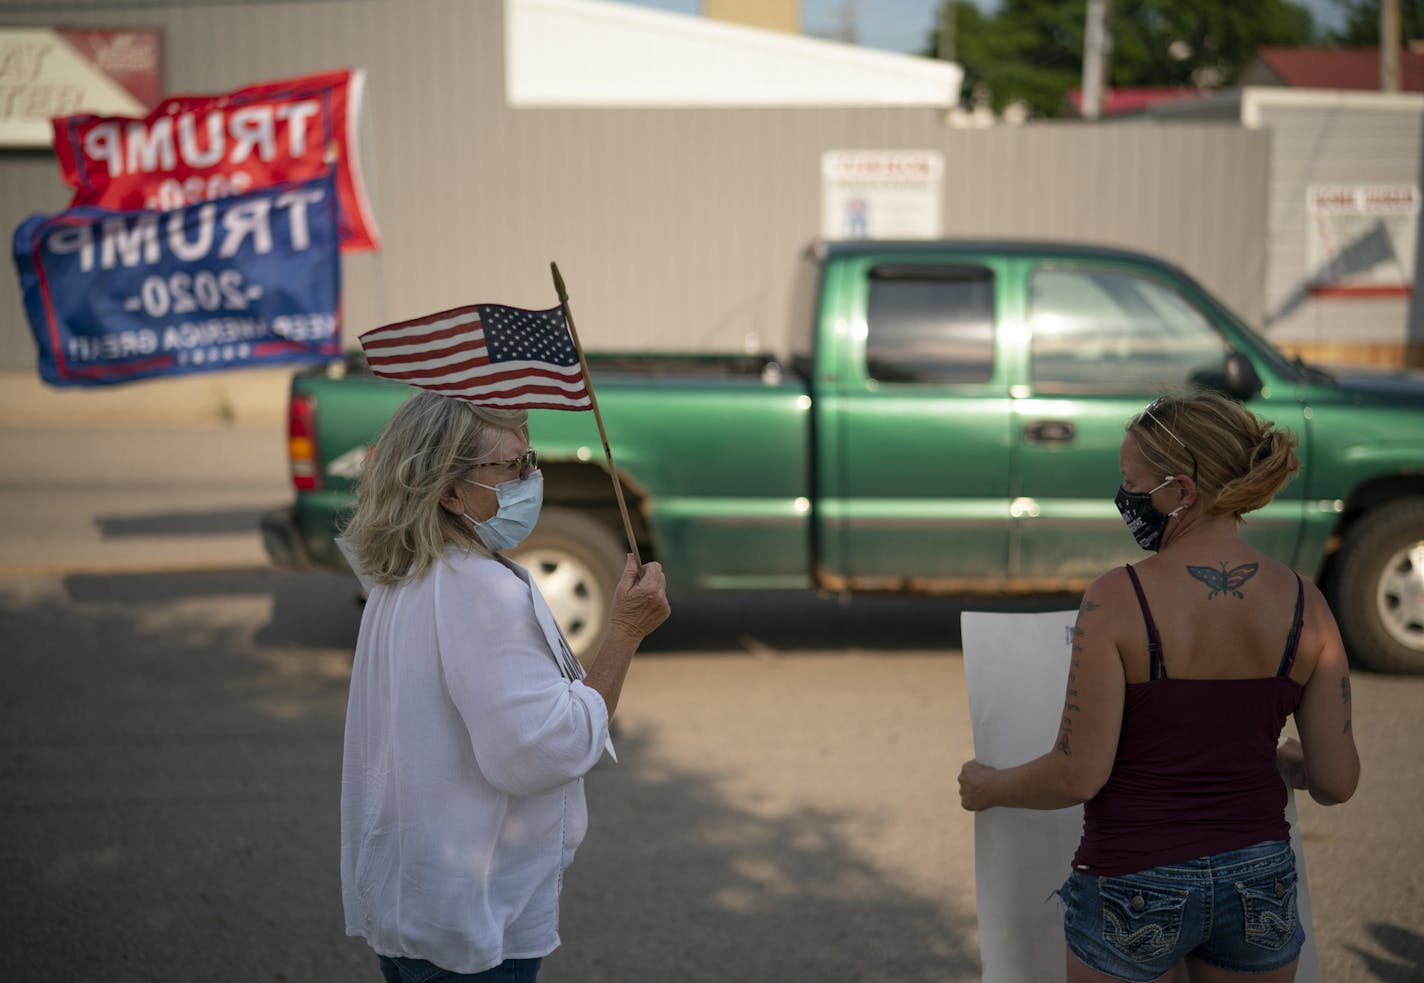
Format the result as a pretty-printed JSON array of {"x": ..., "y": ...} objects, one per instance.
[
  {"x": 1144, "y": 520},
  {"x": 519, "y": 504}
]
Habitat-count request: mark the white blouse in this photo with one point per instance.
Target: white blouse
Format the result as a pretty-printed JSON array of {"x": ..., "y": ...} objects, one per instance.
[{"x": 462, "y": 781}]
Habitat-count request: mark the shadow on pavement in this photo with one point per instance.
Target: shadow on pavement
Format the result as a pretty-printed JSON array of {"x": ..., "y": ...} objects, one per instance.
[
  {"x": 319, "y": 610},
  {"x": 168, "y": 788},
  {"x": 784, "y": 622},
  {"x": 217, "y": 522},
  {"x": 323, "y": 610},
  {"x": 674, "y": 883},
  {"x": 169, "y": 809},
  {"x": 1403, "y": 961}
]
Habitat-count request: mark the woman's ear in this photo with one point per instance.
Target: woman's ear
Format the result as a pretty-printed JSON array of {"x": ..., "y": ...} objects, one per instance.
[
  {"x": 1189, "y": 489},
  {"x": 450, "y": 502}
]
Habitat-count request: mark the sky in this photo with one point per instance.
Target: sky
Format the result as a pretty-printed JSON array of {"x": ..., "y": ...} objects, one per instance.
[{"x": 902, "y": 25}]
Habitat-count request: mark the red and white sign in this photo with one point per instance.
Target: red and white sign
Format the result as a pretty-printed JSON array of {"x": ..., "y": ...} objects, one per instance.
[
  {"x": 882, "y": 166},
  {"x": 48, "y": 72},
  {"x": 192, "y": 149},
  {"x": 881, "y": 194},
  {"x": 1361, "y": 239}
]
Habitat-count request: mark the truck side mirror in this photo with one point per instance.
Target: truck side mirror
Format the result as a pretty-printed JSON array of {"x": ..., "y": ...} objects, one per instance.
[
  {"x": 1242, "y": 380},
  {"x": 1236, "y": 378}
]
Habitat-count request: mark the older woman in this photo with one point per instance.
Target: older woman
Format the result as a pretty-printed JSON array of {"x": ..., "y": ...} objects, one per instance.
[
  {"x": 1184, "y": 668},
  {"x": 470, "y": 724}
]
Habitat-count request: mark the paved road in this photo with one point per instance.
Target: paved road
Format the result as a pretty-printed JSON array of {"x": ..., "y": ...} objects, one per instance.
[{"x": 783, "y": 807}]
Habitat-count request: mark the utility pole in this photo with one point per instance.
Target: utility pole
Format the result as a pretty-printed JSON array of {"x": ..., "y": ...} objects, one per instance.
[
  {"x": 946, "y": 31},
  {"x": 1095, "y": 55},
  {"x": 850, "y": 33},
  {"x": 1389, "y": 46}
]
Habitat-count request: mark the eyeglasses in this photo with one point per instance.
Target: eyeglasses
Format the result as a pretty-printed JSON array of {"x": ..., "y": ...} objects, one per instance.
[
  {"x": 1156, "y": 404},
  {"x": 527, "y": 463}
]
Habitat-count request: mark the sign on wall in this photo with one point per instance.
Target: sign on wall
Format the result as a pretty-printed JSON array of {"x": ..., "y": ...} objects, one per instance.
[
  {"x": 1360, "y": 239},
  {"x": 48, "y": 72},
  {"x": 881, "y": 194},
  {"x": 191, "y": 149},
  {"x": 247, "y": 281}
]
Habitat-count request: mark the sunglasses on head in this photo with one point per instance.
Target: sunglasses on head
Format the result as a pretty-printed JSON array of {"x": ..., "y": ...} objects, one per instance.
[{"x": 1157, "y": 404}]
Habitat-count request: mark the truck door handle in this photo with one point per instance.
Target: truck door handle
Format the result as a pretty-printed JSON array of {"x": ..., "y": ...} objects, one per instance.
[{"x": 1049, "y": 431}]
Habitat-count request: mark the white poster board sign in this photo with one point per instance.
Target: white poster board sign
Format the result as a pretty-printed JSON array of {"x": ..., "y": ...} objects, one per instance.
[
  {"x": 1016, "y": 671},
  {"x": 881, "y": 194}
]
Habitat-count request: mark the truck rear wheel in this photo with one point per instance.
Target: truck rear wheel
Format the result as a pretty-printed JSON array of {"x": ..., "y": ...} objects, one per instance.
[
  {"x": 1378, "y": 588},
  {"x": 576, "y": 563}
]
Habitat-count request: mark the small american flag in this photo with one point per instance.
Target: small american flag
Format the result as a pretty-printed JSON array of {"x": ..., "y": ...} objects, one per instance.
[{"x": 485, "y": 353}]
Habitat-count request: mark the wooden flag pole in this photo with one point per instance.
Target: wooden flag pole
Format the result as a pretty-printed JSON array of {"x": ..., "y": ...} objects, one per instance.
[{"x": 597, "y": 416}]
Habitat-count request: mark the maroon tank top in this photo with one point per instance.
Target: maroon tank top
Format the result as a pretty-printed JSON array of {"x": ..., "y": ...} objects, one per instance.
[{"x": 1195, "y": 772}]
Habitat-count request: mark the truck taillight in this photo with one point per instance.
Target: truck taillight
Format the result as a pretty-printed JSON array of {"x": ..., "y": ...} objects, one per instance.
[{"x": 301, "y": 443}]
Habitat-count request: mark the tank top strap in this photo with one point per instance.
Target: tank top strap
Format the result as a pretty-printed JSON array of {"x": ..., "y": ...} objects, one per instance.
[
  {"x": 1293, "y": 639},
  {"x": 1156, "y": 670}
]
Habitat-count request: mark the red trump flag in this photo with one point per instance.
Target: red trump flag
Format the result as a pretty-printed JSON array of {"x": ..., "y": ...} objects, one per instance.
[
  {"x": 192, "y": 149},
  {"x": 488, "y": 354}
]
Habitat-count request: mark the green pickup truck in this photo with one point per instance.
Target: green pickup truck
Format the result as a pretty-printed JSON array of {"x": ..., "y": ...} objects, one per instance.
[{"x": 948, "y": 424}]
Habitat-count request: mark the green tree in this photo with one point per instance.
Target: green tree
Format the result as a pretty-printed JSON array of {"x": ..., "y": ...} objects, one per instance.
[
  {"x": 1162, "y": 42},
  {"x": 1361, "y": 27},
  {"x": 1032, "y": 50},
  {"x": 1028, "y": 50}
]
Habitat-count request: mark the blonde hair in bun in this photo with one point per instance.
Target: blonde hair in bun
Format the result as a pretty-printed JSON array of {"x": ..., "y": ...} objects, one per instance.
[{"x": 1242, "y": 461}]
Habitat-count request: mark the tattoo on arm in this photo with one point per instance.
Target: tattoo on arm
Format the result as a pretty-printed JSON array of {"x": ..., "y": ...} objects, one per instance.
[
  {"x": 1345, "y": 698},
  {"x": 1065, "y": 729},
  {"x": 1225, "y": 581}
]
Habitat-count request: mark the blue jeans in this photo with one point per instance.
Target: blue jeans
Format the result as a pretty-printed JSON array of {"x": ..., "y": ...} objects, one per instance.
[
  {"x": 1235, "y": 910},
  {"x": 402, "y": 969}
]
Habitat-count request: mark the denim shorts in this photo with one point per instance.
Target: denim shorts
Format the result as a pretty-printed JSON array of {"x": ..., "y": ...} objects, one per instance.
[
  {"x": 403, "y": 969},
  {"x": 1235, "y": 910}
]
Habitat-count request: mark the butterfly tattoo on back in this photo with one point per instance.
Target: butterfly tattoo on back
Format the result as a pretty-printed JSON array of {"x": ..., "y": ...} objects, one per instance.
[{"x": 1225, "y": 581}]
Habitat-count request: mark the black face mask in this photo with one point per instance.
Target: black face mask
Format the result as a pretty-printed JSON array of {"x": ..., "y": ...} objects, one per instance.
[{"x": 1144, "y": 520}]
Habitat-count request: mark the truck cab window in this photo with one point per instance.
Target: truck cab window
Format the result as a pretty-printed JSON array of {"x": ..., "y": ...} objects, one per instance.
[
  {"x": 930, "y": 325},
  {"x": 1106, "y": 331}
]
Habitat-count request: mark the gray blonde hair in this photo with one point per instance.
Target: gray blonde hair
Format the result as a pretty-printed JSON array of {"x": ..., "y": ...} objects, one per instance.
[
  {"x": 399, "y": 529},
  {"x": 1242, "y": 461}
]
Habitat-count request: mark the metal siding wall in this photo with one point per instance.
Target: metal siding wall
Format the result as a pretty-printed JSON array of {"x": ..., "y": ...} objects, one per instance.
[
  {"x": 1331, "y": 146},
  {"x": 673, "y": 229},
  {"x": 1193, "y": 194},
  {"x": 693, "y": 220}
]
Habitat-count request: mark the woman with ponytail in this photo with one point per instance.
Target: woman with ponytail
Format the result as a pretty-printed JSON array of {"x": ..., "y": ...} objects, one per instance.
[{"x": 1184, "y": 669}]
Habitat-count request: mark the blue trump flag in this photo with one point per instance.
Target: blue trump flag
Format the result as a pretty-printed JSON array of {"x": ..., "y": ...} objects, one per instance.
[{"x": 251, "y": 280}]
